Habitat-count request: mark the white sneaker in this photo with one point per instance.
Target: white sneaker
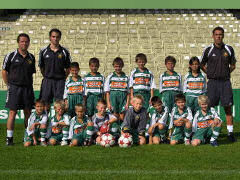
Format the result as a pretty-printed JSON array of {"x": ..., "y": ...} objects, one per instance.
[{"x": 64, "y": 143}]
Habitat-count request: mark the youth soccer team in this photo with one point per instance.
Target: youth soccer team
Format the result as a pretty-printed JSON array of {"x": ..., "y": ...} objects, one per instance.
[{"x": 122, "y": 104}]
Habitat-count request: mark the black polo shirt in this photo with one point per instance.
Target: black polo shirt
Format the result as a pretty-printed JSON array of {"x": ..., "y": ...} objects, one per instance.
[
  {"x": 218, "y": 61},
  {"x": 54, "y": 63},
  {"x": 20, "y": 69}
]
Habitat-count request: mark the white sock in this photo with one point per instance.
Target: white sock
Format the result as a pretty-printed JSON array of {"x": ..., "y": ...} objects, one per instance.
[
  {"x": 9, "y": 133},
  {"x": 212, "y": 139},
  {"x": 230, "y": 128}
]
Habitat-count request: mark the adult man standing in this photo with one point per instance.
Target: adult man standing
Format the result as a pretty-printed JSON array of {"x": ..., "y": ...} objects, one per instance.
[
  {"x": 218, "y": 61},
  {"x": 18, "y": 68},
  {"x": 54, "y": 62}
]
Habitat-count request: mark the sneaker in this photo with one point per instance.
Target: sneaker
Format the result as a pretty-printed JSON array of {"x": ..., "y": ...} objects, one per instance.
[
  {"x": 214, "y": 143},
  {"x": 43, "y": 143},
  {"x": 187, "y": 142},
  {"x": 164, "y": 140},
  {"x": 231, "y": 137},
  {"x": 9, "y": 141},
  {"x": 64, "y": 143}
]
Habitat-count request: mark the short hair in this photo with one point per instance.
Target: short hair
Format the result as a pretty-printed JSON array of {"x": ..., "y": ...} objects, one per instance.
[
  {"x": 180, "y": 97},
  {"x": 203, "y": 99},
  {"x": 56, "y": 31},
  {"x": 102, "y": 101},
  {"x": 23, "y": 35},
  {"x": 170, "y": 59},
  {"x": 59, "y": 103},
  {"x": 94, "y": 60},
  {"x": 118, "y": 61},
  {"x": 78, "y": 105},
  {"x": 40, "y": 101},
  {"x": 138, "y": 96},
  {"x": 74, "y": 65},
  {"x": 194, "y": 58},
  {"x": 141, "y": 56},
  {"x": 218, "y": 29},
  {"x": 156, "y": 100}
]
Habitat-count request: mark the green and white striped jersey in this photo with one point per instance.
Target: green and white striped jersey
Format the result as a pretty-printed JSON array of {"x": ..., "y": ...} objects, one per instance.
[
  {"x": 141, "y": 81},
  {"x": 187, "y": 113},
  {"x": 170, "y": 82},
  {"x": 93, "y": 84},
  {"x": 116, "y": 83},
  {"x": 73, "y": 87},
  {"x": 204, "y": 121},
  {"x": 75, "y": 125},
  {"x": 194, "y": 86},
  {"x": 58, "y": 129},
  {"x": 42, "y": 119},
  {"x": 156, "y": 117}
]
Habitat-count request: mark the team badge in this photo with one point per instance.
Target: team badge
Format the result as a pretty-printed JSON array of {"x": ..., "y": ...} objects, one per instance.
[
  {"x": 29, "y": 61},
  {"x": 60, "y": 56},
  {"x": 225, "y": 54},
  {"x": 137, "y": 117}
]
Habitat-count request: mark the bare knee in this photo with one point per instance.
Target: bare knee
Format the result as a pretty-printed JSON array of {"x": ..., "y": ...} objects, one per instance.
[
  {"x": 142, "y": 140},
  {"x": 173, "y": 142},
  {"x": 27, "y": 144},
  {"x": 52, "y": 142}
]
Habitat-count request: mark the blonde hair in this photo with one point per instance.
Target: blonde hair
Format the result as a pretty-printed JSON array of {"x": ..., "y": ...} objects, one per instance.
[
  {"x": 138, "y": 96},
  {"x": 59, "y": 103},
  {"x": 203, "y": 99}
]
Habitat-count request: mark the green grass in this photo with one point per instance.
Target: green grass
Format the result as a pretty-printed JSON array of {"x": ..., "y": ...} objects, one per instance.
[{"x": 139, "y": 162}]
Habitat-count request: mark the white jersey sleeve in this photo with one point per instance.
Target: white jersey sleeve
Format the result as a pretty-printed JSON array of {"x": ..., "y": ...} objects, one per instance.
[
  {"x": 164, "y": 118},
  {"x": 172, "y": 117},
  {"x": 152, "y": 83},
  {"x": 185, "y": 83},
  {"x": 65, "y": 94},
  {"x": 72, "y": 122},
  {"x": 160, "y": 83},
  {"x": 215, "y": 114},
  {"x": 66, "y": 119},
  {"x": 195, "y": 120},
  {"x": 107, "y": 83},
  {"x": 31, "y": 120},
  {"x": 189, "y": 115},
  {"x": 131, "y": 79}
]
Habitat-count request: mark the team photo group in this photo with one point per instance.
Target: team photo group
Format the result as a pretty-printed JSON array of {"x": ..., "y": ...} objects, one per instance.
[{"x": 118, "y": 109}]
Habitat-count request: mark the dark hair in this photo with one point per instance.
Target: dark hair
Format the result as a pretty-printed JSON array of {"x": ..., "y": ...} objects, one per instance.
[
  {"x": 170, "y": 59},
  {"x": 102, "y": 101},
  {"x": 94, "y": 60},
  {"x": 194, "y": 58},
  {"x": 39, "y": 101},
  {"x": 74, "y": 65},
  {"x": 118, "y": 61},
  {"x": 141, "y": 56},
  {"x": 23, "y": 35},
  {"x": 179, "y": 97},
  {"x": 156, "y": 100},
  {"x": 56, "y": 31},
  {"x": 218, "y": 29}
]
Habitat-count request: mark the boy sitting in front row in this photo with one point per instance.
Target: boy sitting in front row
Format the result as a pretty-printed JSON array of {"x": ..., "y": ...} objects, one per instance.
[
  {"x": 60, "y": 125},
  {"x": 37, "y": 123},
  {"x": 81, "y": 129},
  {"x": 206, "y": 123},
  {"x": 102, "y": 117},
  {"x": 135, "y": 120},
  {"x": 158, "y": 121},
  {"x": 181, "y": 121}
]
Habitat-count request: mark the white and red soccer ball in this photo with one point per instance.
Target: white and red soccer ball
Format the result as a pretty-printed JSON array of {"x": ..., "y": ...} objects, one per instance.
[
  {"x": 107, "y": 140},
  {"x": 125, "y": 140}
]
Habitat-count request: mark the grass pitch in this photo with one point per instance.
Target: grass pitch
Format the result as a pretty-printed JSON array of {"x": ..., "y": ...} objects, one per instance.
[{"x": 138, "y": 162}]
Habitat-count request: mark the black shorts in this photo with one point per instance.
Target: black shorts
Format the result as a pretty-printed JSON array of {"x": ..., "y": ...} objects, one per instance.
[
  {"x": 19, "y": 97},
  {"x": 220, "y": 90},
  {"x": 52, "y": 88}
]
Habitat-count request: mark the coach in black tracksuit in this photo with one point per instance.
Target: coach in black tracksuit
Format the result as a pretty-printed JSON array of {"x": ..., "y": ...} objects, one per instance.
[
  {"x": 18, "y": 68},
  {"x": 218, "y": 61},
  {"x": 54, "y": 62}
]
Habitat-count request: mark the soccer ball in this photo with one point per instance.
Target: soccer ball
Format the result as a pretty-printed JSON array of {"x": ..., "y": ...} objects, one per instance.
[
  {"x": 107, "y": 140},
  {"x": 125, "y": 141}
]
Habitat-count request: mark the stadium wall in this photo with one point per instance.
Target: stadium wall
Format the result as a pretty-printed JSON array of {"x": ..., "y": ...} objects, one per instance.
[{"x": 20, "y": 116}]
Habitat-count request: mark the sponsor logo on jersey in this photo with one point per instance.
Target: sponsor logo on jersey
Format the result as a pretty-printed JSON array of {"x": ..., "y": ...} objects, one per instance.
[
  {"x": 225, "y": 54},
  {"x": 75, "y": 89},
  {"x": 170, "y": 83},
  {"x": 94, "y": 84},
  {"x": 29, "y": 61},
  {"x": 60, "y": 55},
  {"x": 214, "y": 54},
  {"x": 195, "y": 85},
  {"x": 142, "y": 80},
  {"x": 119, "y": 85},
  {"x": 17, "y": 60}
]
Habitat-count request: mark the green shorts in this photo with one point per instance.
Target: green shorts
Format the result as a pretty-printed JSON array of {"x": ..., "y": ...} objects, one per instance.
[
  {"x": 92, "y": 100},
  {"x": 203, "y": 134},
  {"x": 178, "y": 133},
  {"x": 168, "y": 99},
  {"x": 30, "y": 138},
  {"x": 146, "y": 96},
  {"x": 192, "y": 103},
  {"x": 80, "y": 137},
  {"x": 118, "y": 101},
  {"x": 73, "y": 99},
  {"x": 57, "y": 137}
]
